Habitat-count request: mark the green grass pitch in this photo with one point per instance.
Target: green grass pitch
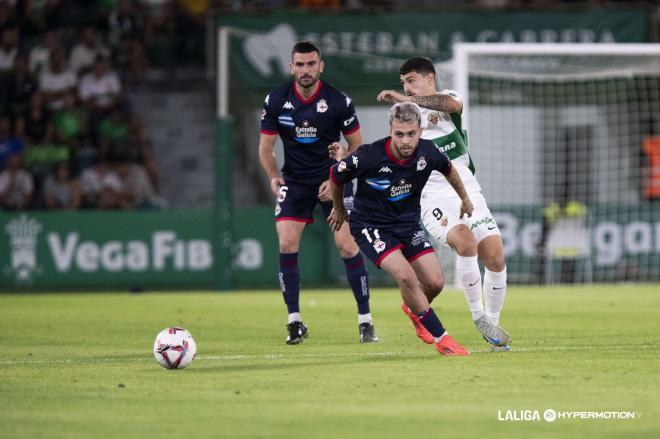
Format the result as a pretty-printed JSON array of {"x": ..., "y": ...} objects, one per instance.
[{"x": 81, "y": 366}]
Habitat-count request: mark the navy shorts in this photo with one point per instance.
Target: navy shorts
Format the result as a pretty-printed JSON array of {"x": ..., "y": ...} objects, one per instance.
[
  {"x": 297, "y": 201},
  {"x": 376, "y": 243}
]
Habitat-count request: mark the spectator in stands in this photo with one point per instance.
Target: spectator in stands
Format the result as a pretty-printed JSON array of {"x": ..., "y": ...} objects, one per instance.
[
  {"x": 57, "y": 81},
  {"x": 9, "y": 143},
  {"x": 85, "y": 53},
  {"x": 100, "y": 90},
  {"x": 21, "y": 86},
  {"x": 100, "y": 186},
  {"x": 61, "y": 190},
  {"x": 136, "y": 189},
  {"x": 71, "y": 123},
  {"x": 45, "y": 15},
  {"x": 16, "y": 185},
  {"x": 8, "y": 49},
  {"x": 40, "y": 54},
  {"x": 113, "y": 131},
  {"x": 7, "y": 19},
  {"x": 35, "y": 126},
  {"x": 139, "y": 149},
  {"x": 126, "y": 35}
]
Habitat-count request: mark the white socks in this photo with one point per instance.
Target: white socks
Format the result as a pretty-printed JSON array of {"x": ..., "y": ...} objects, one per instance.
[
  {"x": 494, "y": 292},
  {"x": 469, "y": 276},
  {"x": 364, "y": 318},
  {"x": 294, "y": 317}
]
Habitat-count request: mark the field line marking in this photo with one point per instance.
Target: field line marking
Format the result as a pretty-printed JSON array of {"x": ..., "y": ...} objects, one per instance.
[{"x": 293, "y": 356}]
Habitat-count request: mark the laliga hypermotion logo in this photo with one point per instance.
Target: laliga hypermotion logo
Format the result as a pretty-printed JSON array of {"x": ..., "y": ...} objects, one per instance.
[{"x": 23, "y": 232}]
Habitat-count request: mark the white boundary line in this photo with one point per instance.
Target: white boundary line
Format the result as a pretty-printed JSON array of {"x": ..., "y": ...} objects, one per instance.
[{"x": 514, "y": 350}]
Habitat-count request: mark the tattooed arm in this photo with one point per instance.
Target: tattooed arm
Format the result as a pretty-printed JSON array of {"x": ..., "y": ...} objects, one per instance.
[{"x": 438, "y": 102}]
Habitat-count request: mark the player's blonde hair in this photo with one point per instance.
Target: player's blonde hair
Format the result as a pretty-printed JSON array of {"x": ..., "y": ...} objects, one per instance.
[{"x": 406, "y": 112}]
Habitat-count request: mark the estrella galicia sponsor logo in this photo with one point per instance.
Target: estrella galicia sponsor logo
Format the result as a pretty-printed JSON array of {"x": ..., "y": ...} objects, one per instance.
[
  {"x": 306, "y": 133},
  {"x": 482, "y": 222},
  {"x": 400, "y": 191},
  {"x": 23, "y": 234}
]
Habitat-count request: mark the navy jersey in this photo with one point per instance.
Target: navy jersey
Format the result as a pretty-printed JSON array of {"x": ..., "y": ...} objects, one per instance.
[
  {"x": 307, "y": 127},
  {"x": 389, "y": 190}
]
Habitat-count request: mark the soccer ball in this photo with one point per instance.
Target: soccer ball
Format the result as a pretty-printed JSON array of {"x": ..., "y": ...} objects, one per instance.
[{"x": 174, "y": 348}]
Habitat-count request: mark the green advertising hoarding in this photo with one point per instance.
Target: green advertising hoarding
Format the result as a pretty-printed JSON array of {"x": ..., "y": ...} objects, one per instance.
[
  {"x": 175, "y": 249},
  {"x": 106, "y": 249},
  {"x": 366, "y": 50}
]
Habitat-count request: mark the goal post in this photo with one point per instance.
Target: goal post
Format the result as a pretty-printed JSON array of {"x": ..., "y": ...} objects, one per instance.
[{"x": 559, "y": 134}]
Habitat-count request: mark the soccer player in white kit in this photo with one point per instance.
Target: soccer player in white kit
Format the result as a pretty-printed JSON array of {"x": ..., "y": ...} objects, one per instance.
[{"x": 471, "y": 238}]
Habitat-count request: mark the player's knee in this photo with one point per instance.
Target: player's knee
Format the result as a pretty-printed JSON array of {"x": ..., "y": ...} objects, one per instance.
[
  {"x": 288, "y": 245},
  {"x": 407, "y": 280},
  {"x": 433, "y": 287},
  {"x": 496, "y": 263},
  {"x": 466, "y": 245},
  {"x": 347, "y": 249}
]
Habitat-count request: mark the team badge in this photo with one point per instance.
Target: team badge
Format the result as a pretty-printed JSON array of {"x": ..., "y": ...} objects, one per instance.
[
  {"x": 421, "y": 163},
  {"x": 379, "y": 245},
  {"x": 433, "y": 118},
  {"x": 321, "y": 106}
]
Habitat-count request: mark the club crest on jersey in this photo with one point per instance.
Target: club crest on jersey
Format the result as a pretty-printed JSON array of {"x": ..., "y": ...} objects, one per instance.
[
  {"x": 287, "y": 105},
  {"x": 379, "y": 245},
  {"x": 321, "y": 106},
  {"x": 421, "y": 163},
  {"x": 433, "y": 118}
]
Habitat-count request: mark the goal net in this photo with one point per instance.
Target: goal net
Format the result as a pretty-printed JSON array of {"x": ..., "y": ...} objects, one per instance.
[{"x": 565, "y": 138}]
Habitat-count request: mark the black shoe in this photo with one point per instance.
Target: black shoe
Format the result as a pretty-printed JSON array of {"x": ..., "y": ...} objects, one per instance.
[
  {"x": 367, "y": 333},
  {"x": 297, "y": 332}
]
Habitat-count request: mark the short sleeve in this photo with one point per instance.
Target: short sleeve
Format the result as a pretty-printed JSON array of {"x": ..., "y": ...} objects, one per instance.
[
  {"x": 268, "y": 117},
  {"x": 442, "y": 162},
  {"x": 349, "y": 120},
  {"x": 453, "y": 94},
  {"x": 350, "y": 167}
]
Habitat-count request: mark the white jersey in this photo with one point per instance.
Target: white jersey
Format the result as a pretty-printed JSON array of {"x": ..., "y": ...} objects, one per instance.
[{"x": 445, "y": 130}]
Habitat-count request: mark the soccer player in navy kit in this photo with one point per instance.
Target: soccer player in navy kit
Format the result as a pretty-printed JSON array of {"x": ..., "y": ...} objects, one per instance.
[
  {"x": 385, "y": 217},
  {"x": 309, "y": 114}
]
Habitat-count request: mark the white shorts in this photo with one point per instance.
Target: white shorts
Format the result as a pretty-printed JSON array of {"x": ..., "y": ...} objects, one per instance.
[{"x": 440, "y": 215}]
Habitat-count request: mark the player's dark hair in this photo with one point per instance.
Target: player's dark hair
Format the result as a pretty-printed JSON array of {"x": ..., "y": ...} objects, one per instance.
[
  {"x": 305, "y": 47},
  {"x": 419, "y": 64}
]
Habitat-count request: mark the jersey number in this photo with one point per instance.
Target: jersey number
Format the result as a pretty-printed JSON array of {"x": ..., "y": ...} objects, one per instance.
[
  {"x": 365, "y": 232},
  {"x": 282, "y": 194}
]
